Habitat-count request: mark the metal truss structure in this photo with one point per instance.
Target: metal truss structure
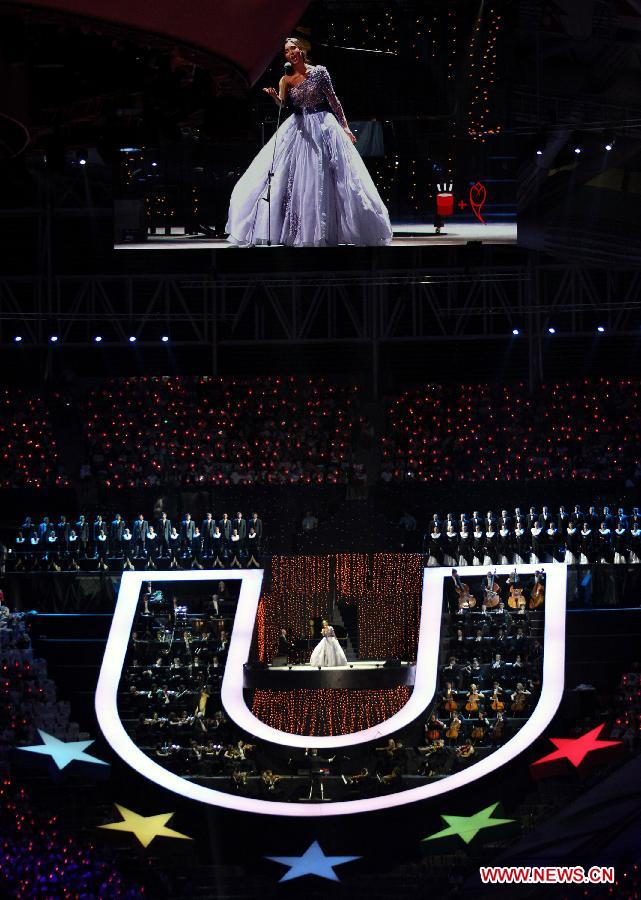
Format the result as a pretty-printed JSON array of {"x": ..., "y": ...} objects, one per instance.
[{"x": 454, "y": 304}]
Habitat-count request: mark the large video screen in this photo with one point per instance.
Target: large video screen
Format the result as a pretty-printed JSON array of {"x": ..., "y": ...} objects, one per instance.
[{"x": 385, "y": 129}]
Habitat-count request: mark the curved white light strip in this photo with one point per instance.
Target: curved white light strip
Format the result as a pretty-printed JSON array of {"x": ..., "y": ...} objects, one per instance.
[
  {"x": 112, "y": 728},
  {"x": 425, "y": 681}
]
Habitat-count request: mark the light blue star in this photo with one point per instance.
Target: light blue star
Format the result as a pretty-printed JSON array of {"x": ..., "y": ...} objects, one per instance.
[
  {"x": 312, "y": 862},
  {"x": 63, "y": 752}
]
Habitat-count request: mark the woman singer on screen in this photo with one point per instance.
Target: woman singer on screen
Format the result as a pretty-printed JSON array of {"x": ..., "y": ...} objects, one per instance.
[{"x": 321, "y": 193}]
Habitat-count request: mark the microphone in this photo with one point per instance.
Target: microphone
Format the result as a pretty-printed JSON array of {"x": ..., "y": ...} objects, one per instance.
[{"x": 288, "y": 68}]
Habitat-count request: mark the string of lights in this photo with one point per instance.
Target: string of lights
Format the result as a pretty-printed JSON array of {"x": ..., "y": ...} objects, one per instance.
[
  {"x": 327, "y": 712},
  {"x": 352, "y": 577},
  {"x": 483, "y": 72},
  {"x": 300, "y": 592},
  {"x": 260, "y": 633},
  {"x": 385, "y": 588},
  {"x": 388, "y": 615}
]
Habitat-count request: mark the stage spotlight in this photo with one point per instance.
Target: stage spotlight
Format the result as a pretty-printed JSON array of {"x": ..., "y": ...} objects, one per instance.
[
  {"x": 552, "y": 329},
  {"x": 600, "y": 329},
  {"x": 98, "y": 339},
  {"x": 54, "y": 338},
  {"x": 515, "y": 332},
  {"x": 154, "y": 164},
  {"x": 609, "y": 145},
  {"x": 132, "y": 339},
  {"x": 18, "y": 339},
  {"x": 539, "y": 153},
  {"x": 82, "y": 161},
  {"x": 165, "y": 338},
  {"x": 577, "y": 150}
]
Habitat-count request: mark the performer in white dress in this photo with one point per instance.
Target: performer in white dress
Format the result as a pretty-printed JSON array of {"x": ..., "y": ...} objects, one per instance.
[
  {"x": 328, "y": 652},
  {"x": 321, "y": 194}
]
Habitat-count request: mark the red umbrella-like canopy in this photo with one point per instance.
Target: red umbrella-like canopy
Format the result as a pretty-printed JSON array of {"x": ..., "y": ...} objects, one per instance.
[{"x": 245, "y": 32}]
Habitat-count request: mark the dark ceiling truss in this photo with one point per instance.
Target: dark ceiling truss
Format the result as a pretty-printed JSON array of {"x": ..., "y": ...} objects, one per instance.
[{"x": 320, "y": 307}]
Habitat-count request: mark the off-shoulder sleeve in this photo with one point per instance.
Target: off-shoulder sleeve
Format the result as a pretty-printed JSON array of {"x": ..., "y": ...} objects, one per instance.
[{"x": 332, "y": 99}]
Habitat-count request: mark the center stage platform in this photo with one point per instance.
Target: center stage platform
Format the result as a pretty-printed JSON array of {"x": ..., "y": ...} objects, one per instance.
[
  {"x": 412, "y": 234},
  {"x": 362, "y": 675}
]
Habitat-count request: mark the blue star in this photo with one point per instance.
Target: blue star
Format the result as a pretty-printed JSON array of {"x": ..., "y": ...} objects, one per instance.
[
  {"x": 312, "y": 862},
  {"x": 63, "y": 752}
]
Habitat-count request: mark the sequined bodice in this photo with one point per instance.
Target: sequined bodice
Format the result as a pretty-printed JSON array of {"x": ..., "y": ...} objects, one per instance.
[{"x": 316, "y": 93}]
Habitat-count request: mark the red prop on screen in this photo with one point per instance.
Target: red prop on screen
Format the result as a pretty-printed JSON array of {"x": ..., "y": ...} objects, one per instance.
[
  {"x": 478, "y": 196},
  {"x": 445, "y": 204}
]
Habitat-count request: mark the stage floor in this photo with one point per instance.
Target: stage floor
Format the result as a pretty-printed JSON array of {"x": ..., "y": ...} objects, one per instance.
[
  {"x": 362, "y": 665},
  {"x": 412, "y": 234},
  {"x": 358, "y": 675}
]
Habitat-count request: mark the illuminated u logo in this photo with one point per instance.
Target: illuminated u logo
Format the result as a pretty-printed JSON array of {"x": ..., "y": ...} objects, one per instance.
[{"x": 236, "y": 708}]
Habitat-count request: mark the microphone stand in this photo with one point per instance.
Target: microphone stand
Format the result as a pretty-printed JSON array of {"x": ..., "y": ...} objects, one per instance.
[{"x": 270, "y": 174}]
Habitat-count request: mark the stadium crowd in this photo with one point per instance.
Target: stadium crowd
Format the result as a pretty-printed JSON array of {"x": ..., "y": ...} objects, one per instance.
[
  {"x": 210, "y": 431},
  {"x": 184, "y": 431},
  {"x": 583, "y": 430},
  {"x": 29, "y": 453}
]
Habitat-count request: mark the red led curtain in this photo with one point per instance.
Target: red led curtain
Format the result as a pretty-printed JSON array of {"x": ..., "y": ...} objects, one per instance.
[
  {"x": 248, "y": 33},
  {"x": 327, "y": 712},
  {"x": 385, "y": 587},
  {"x": 300, "y": 591}
]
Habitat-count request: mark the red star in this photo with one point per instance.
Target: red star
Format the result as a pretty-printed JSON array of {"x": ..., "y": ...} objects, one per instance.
[
  {"x": 576, "y": 749},
  {"x": 462, "y": 204}
]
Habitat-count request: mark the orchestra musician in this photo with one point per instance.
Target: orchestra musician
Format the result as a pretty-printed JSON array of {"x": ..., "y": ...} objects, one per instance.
[
  {"x": 497, "y": 729},
  {"x": 473, "y": 699},
  {"x": 480, "y": 727},
  {"x": 519, "y": 699},
  {"x": 434, "y": 729},
  {"x": 449, "y": 698},
  {"x": 453, "y": 728},
  {"x": 285, "y": 646},
  {"x": 270, "y": 780},
  {"x": 491, "y": 590}
]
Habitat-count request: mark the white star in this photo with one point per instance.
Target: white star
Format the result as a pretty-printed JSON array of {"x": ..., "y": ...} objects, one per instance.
[
  {"x": 312, "y": 862},
  {"x": 63, "y": 752}
]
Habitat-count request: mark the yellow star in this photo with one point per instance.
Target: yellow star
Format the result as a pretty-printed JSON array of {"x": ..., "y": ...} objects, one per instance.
[{"x": 146, "y": 828}]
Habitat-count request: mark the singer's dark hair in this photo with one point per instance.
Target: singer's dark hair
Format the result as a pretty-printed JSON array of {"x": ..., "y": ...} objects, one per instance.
[{"x": 299, "y": 44}]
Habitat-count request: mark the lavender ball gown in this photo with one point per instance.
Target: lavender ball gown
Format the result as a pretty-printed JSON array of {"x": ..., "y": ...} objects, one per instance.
[
  {"x": 322, "y": 193},
  {"x": 328, "y": 652}
]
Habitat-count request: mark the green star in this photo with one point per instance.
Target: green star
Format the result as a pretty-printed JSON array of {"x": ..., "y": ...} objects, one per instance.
[{"x": 467, "y": 827}]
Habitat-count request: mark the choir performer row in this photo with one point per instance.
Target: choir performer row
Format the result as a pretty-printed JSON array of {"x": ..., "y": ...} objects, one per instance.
[{"x": 522, "y": 545}]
